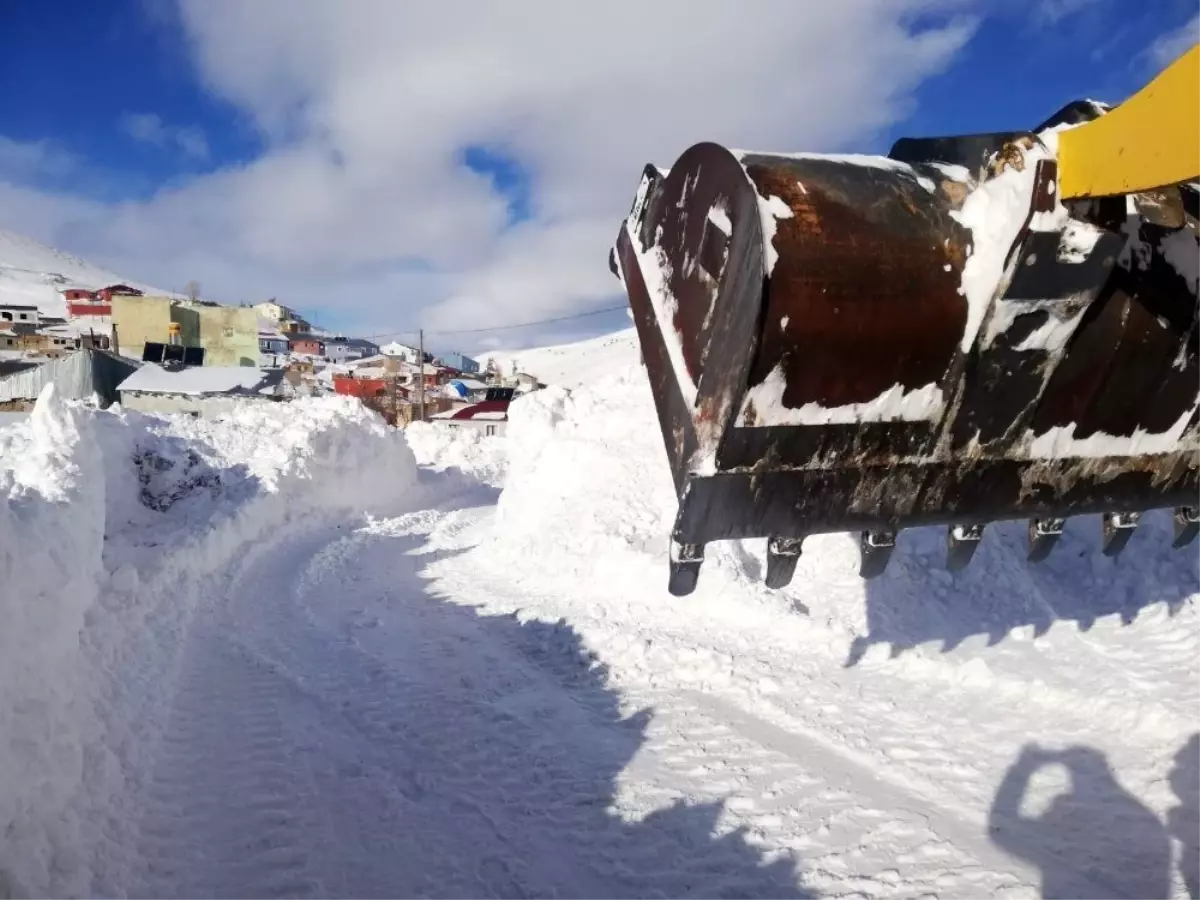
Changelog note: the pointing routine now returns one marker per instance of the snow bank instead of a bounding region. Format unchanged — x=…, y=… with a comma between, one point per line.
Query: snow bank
x=439, y=447
x=588, y=478
x=576, y=364
x=51, y=542
x=589, y=501
x=115, y=528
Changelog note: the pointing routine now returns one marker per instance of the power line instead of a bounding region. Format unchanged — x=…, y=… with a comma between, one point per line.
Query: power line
x=594, y=312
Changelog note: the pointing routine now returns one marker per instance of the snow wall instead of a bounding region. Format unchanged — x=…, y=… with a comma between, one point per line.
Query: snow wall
x=114, y=529
x=588, y=505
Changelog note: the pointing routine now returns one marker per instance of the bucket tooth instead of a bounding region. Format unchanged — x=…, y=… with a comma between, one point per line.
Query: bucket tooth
x=1043, y=535
x=961, y=543
x=1116, y=529
x=1187, y=524
x=876, y=547
x=782, y=555
x=685, y=568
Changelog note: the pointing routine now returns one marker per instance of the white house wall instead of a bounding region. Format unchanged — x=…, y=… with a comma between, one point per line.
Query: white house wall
x=205, y=406
x=498, y=426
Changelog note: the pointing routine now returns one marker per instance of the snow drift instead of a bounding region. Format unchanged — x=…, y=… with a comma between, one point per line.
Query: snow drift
x=926, y=682
x=114, y=528
x=473, y=455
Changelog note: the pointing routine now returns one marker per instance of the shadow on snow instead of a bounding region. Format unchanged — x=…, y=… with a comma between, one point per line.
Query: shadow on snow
x=507, y=748
x=917, y=600
x=1097, y=839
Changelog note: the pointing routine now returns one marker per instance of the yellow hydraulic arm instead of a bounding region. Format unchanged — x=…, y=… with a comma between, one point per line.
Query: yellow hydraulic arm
x=1150, y=141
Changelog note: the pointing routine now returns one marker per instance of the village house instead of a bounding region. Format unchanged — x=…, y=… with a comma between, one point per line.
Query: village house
x=338, y=349
x=432, y=375
x=227, y=334
x=392, y=388
x=361, y=347
x=200, y=390
x=365, y=387
x=307, y=344
x=285, y=318
x=27, y=339
x=401, y=351
x=489, y=416
x=272, y=311
x=272, y=342
x=468, y=389
x=106, y=294
x=86, y=304
x=18, y=313
x=460, y=362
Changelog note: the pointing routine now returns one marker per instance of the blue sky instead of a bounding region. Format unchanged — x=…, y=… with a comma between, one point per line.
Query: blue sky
x=118, y=104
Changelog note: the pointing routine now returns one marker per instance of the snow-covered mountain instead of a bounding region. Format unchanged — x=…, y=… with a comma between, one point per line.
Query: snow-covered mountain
x=32, y=274
x=573, y=365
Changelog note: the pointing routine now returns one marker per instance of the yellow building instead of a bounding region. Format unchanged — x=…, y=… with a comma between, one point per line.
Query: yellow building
x=228, y=334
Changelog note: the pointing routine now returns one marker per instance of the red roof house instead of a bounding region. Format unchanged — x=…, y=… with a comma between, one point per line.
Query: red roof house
x=105, y=294
x=489, y=417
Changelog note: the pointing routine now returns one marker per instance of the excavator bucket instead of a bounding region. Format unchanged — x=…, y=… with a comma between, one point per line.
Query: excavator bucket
x=934, y=337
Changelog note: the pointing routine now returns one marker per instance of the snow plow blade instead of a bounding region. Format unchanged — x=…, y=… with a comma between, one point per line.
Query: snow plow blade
x=844, y=343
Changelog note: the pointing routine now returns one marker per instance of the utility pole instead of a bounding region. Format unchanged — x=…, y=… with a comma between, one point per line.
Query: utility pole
x=421, y=371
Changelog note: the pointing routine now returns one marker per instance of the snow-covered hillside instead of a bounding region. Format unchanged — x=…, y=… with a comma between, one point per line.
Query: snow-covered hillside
x=573, y=365
x=32, y=274
x=294, y=652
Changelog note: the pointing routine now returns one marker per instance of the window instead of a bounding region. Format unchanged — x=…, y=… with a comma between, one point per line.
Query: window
x=23, y=317
x=491, y=429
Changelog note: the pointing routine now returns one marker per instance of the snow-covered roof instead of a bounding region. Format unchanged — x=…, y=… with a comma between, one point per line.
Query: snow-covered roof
x=196, y=380
x=463, y=387
x=491, y=410
x=371, y=360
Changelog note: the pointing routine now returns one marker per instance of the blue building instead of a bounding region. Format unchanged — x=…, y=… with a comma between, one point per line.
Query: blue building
x=461, y=362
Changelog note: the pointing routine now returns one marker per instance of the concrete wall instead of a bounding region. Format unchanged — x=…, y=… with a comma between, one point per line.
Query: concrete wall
x=228, y=334
x=140, y=319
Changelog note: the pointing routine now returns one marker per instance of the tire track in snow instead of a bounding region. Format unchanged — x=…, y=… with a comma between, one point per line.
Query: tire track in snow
x=225, y=813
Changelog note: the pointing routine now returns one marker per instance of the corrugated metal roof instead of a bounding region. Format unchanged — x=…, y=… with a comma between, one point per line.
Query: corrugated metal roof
x=76, y=376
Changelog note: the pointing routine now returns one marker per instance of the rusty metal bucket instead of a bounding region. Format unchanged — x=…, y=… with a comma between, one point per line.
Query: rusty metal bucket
x=816, y=366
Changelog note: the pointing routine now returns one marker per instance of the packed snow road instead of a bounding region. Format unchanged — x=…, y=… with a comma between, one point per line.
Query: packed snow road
x=339, y=728
x=338, y=731
x=271, y=655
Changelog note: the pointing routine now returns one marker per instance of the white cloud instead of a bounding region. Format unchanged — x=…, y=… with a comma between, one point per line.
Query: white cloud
x=1051, y=12
x=364, y=108
x=149, y=128
x=28, y=160
x=1174, y=44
